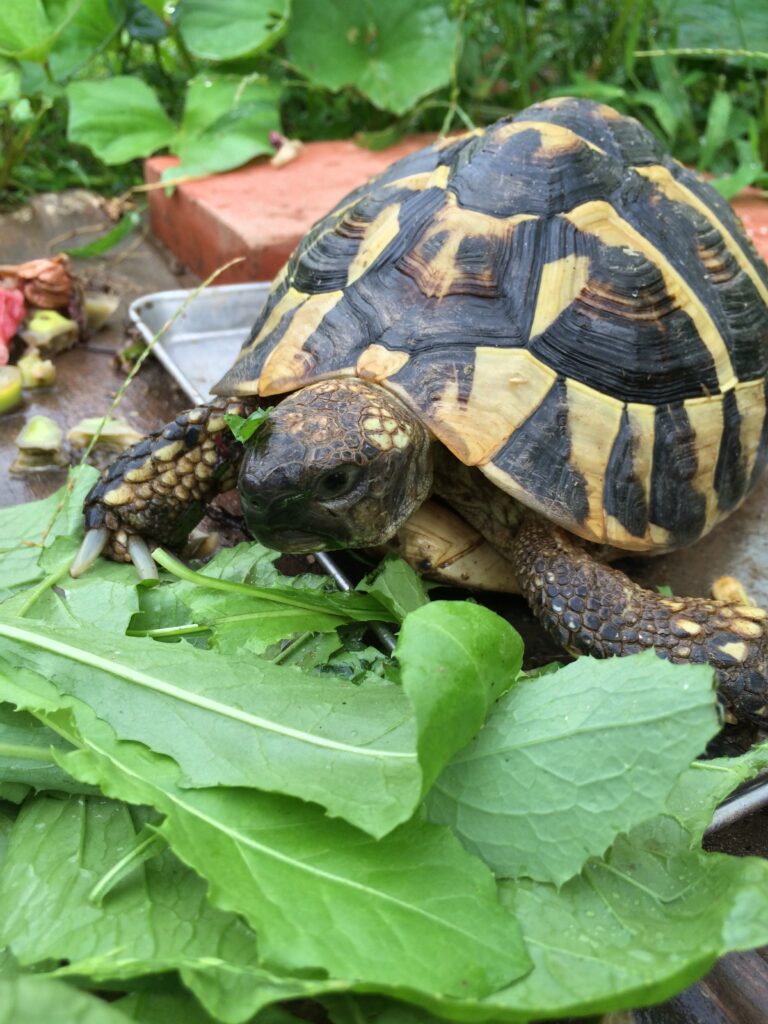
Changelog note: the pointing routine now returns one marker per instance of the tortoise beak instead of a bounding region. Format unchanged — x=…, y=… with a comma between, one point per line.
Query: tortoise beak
x=284, y=524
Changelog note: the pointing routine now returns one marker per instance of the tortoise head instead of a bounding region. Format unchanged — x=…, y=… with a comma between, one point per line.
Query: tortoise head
x=339, y=464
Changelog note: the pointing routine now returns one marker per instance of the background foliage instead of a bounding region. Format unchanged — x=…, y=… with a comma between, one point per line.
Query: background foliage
x=102, y=83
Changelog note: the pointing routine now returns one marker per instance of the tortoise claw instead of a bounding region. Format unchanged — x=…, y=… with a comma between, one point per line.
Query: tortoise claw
x=141, y=557
x=93, y=544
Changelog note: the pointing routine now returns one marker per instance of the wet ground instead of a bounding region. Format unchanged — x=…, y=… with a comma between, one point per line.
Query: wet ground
x=736, y=991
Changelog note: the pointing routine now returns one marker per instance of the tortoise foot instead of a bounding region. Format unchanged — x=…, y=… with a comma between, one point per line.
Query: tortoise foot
x=156, y=491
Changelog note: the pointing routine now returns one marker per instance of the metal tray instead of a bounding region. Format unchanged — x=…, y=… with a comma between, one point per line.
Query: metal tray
x=202, y=341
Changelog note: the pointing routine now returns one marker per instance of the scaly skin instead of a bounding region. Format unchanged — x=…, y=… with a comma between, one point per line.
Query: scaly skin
x=592, y=608
x=160, y=486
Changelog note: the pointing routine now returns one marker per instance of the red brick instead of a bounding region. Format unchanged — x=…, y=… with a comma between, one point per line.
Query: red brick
x=752, y=206
x=260, y=212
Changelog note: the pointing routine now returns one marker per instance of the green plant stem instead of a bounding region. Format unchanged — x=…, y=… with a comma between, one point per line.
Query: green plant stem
x=24, y=753
x=167, y=632
x=706, y=52
x=44, y=585
x=292, y=647
x=185, y=56
x=138, y=854
x=178, y=569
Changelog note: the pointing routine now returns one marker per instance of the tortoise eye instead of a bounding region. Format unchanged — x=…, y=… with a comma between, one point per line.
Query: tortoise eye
x=337, y=482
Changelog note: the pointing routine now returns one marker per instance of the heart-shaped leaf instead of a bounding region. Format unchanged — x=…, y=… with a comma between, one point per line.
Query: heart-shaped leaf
x=394, y=52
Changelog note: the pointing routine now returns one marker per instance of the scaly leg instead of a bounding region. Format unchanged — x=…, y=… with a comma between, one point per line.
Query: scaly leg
x=157, y=490
x=591, y=608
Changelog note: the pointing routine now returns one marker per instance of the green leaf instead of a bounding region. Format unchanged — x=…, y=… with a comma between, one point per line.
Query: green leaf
x=26, y=754
x=14, y=792
x=226, y=29
x=30, y=999
x=397, y=586
x=6, y=823
x=240, y=721
x=634, y=928
x=568, y=761
x=666, y=114
x=144, y=22
x=699, y=790
x=84, y=36
x=412, y=912
x=718, y=124
x=107, y=595
x=25, y=530
x=128, y=223
x=227, y=122
x=461, y=648
x=712, y=24
x=167, y=1003
x=673, y=110
x=157, y=6
x=367, y=753
x=118, y=118
x=216, y=606
x=156, y=919
x=28, y=31
x=10, y=81
x=244, y=427
x=729, y=185
x=394, y=52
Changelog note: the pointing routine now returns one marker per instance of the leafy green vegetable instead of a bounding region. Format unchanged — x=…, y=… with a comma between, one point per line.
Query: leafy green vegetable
x=164, y=1004
x=394, y=53
x=635, y=927
x=568, y=761
x=411, y=912
x=25, y=530
x=397, y=586
x=26, y=754
x=29, y=999
x=154, y=920
x=699, y=790
x=355, y=749
x=244, y=427
x=128, y=223
x=10, y=81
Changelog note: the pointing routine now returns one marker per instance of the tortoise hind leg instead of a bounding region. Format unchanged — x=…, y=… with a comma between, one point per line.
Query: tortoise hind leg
x=591, y=608
x=157, y=490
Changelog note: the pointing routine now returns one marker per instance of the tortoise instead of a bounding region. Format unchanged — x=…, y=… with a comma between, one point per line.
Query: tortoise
x=550, y=324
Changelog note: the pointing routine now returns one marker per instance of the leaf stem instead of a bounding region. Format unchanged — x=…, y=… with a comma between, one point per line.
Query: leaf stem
x=323, y=604
x=44, y=585
x=26, y=753
x=137, y=854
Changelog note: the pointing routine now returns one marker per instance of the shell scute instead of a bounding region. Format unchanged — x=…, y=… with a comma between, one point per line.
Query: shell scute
x=564, y=306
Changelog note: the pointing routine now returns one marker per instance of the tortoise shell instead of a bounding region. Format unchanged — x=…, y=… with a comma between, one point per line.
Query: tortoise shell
x=566, y=308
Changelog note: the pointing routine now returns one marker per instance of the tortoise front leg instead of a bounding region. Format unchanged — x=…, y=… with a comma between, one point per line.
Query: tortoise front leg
x=158, y=489
x=591, y=608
